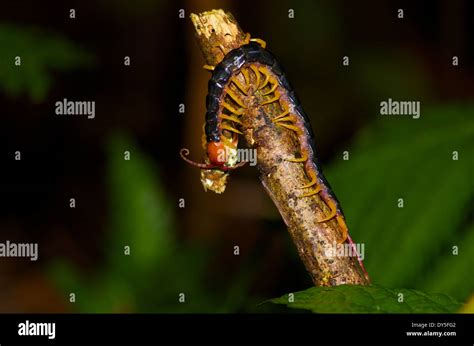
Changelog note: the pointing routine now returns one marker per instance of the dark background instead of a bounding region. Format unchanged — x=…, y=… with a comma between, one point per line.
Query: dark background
x=137, y=110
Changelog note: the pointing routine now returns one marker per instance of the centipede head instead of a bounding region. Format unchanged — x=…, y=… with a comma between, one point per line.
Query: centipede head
x=215, y=172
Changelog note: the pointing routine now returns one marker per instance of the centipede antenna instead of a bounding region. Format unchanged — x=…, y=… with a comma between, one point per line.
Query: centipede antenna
x=185, y=152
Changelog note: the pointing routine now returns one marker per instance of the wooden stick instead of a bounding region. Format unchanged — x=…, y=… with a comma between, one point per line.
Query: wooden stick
x=217, y=33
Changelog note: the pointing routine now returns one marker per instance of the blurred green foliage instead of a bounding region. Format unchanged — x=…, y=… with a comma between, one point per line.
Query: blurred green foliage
x=368, y=299
x=159, y=267
x=412, y=159
x=41, y=53
x=429, y=243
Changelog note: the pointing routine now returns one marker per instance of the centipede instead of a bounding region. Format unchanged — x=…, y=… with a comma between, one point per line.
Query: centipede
x=248, y=73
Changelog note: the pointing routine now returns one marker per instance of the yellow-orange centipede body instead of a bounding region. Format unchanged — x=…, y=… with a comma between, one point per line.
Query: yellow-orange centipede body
x=226, y=104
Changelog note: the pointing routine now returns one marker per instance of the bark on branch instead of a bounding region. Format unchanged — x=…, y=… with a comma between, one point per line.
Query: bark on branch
x=217, y=33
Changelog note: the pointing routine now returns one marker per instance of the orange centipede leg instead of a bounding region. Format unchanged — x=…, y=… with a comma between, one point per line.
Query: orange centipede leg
x=343, y=227
x=310, y=173
x=285, y=113
x=247, y=38
x=289, y=118
x=303, y=158
x=276, y=98
x=227, y=141
x=234, y=97
x=291, y=127
x=208, y=67
x=333, y=208
x=272, y=89
x=261, y=42
x=230, y=128
x=232, y=109
x=239, y=85
x=257, y=74
x=312, y=192
x=267, y=78
x=245, y=73
x=230, y=117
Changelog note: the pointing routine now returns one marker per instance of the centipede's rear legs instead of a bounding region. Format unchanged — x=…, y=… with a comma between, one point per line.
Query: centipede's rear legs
x=261, y=42
x=335, y=213
x=208, y=67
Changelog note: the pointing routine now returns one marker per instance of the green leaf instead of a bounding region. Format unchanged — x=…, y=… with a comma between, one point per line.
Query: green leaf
x=368, y=299
x=40, y=53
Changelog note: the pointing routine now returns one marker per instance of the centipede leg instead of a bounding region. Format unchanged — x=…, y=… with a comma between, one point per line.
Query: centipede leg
x=333, y=208
x=303, y=158
x=343, y=227
x=257, y=75
x=232, y=109
x=209, y=67
x=274, y=99
x=248, y=39
x=261, y=42
x=204, y=137
x=291, y=127
x=228, y=141
x=285, y=113
x=310, y=173
x=230, y=128
x=267, y=78
x=312, y=192
x=234, y=97
x=231, y=118
x=272, y=89
x=289, y=118
x=239, y=85
x=245, y=73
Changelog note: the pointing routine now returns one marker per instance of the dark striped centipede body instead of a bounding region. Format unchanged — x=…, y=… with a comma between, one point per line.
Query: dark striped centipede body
x=225, y=105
